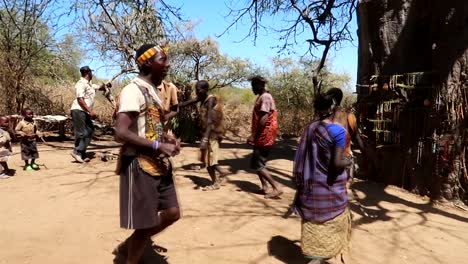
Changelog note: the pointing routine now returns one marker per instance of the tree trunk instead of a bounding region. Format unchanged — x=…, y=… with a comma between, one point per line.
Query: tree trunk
x=416, y=52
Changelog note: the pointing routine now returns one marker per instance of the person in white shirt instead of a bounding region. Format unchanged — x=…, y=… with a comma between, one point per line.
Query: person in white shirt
x=148, y=199
x=82, y=113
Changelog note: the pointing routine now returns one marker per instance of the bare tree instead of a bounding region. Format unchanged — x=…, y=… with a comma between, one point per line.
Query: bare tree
x=117, y=28
x=194, y=59
x=27, y=31
x=287, y=82
x=325, y=21
x=229, y=71
x=191, y=57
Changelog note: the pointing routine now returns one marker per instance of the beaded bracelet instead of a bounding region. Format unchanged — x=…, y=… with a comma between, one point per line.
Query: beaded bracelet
x=155, y=144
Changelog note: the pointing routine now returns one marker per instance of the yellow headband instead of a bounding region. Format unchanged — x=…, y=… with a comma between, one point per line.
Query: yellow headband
x=148, y=54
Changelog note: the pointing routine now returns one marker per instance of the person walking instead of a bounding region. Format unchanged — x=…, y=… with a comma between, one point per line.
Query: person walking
x=264, y=131
x=82, y=113
x=148, y=199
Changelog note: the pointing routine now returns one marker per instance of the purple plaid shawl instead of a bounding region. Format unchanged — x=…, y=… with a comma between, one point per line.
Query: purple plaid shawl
x=321, y=190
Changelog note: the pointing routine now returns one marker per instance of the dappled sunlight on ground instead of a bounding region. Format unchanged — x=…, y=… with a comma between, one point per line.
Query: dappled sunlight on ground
x=69, y=211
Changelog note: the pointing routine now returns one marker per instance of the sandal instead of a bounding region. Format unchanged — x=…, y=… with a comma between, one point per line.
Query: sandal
x=159, y=249
x=4, y=176
x=211, y=187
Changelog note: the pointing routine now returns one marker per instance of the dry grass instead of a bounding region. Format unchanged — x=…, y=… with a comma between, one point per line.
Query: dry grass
x=238, y=103
x=237, y=120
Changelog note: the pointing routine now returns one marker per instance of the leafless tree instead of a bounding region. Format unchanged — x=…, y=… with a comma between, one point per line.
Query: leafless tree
x=325, y=21
x=27, y=31
x=194, y=59
x=116, y=28
x=191, y=57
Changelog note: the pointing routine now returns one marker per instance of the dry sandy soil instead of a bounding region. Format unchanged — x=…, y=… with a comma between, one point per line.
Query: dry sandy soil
x=68, y=213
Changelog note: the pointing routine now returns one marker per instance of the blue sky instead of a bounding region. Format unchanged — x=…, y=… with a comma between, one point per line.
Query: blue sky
x=212, y=22
x=211, y=19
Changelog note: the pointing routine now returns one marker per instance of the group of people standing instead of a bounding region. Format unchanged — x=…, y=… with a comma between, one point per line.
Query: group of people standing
x=148, y=200
x=26, y=131
x=263, y=134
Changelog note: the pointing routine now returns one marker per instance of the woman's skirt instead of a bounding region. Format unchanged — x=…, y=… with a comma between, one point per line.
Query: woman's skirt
x=328, y=239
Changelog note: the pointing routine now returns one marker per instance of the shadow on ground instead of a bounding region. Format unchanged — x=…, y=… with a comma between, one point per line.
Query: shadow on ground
x=151, y=255
x=285, y=250
x=198, y=181
x=246, y=186
x=375, y=194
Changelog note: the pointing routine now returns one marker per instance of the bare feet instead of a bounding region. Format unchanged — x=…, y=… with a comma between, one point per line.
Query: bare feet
x=288, y=213
x=222, y=175
x=221, y=180
x=267, y=190
x=275, y=194
x=121, y=250
x=214, y=186
x=223, y=172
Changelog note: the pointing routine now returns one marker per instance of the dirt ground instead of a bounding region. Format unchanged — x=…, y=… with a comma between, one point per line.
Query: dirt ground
x=68, y=213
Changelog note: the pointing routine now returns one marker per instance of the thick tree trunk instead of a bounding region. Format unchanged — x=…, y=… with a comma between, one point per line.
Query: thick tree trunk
x=407, y=37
